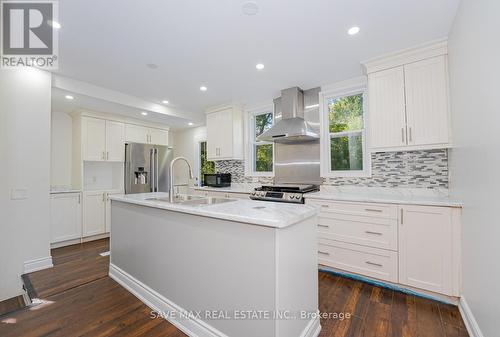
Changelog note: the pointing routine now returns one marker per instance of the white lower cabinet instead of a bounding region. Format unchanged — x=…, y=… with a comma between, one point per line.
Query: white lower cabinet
x=65, y=217
x=97, y=212
x=378, y=263
x=94, y=213
x=427, y=249
x=415, y=246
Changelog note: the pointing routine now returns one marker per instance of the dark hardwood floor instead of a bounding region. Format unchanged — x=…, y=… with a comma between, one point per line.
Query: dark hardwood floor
x=12, y=304
x=81, y=300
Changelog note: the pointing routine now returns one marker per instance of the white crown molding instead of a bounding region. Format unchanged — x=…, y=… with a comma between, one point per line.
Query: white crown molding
x=215, y=108
x=469, y=319
x=38, y=264
x=117, y=118
x=109, y=95
x=405, y=56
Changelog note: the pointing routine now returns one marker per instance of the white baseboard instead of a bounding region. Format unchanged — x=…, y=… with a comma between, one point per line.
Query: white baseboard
x=192, y=326
x=38, y=264
x=469, y=319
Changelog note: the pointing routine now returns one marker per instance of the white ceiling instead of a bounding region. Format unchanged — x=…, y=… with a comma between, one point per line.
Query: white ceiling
x=210, y=42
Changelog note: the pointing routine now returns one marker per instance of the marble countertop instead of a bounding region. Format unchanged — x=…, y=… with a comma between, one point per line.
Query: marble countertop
x=234, y=188
x=390, y=196
x=263, y=213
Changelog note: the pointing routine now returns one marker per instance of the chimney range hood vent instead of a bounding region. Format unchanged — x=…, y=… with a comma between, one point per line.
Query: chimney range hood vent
x=292, y=128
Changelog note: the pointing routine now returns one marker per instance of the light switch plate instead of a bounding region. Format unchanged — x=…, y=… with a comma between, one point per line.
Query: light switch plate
x=18, y=193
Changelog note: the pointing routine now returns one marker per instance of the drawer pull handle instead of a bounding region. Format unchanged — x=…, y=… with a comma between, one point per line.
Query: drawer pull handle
x=323, y=253
x=374, y=264
x=324, y=226
x=374, y=233
x=373, y=210
x=325, y=206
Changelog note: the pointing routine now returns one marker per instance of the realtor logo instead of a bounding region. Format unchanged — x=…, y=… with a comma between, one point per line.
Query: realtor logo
x=29, y=34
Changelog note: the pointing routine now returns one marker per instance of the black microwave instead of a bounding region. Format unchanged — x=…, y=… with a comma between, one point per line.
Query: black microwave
x=217, y=180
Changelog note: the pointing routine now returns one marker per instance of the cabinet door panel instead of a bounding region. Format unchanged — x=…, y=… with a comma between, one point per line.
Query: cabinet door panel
x=225, y=134
x=94, y=213
x=158, y=136
x=65, y=217
x=386, y=116
x=426, y=89
x=115, y=141
x=108, y=211
x=425, y=248
x=136, y=133
x=213, y=131
x=93, y=139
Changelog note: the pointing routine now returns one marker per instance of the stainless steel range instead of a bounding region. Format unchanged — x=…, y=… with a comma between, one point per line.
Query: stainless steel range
x=295, y=134
x=283, y=193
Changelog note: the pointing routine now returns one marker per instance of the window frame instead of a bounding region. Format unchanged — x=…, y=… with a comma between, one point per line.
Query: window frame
x=347, y=88
x=250, y=141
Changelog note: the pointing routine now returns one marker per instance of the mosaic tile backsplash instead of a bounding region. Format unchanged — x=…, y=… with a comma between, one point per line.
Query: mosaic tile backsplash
x=412, y=169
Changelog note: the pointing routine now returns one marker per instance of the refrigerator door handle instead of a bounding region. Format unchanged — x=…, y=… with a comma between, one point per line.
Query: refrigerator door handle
x=151, y=169
x=157, y=175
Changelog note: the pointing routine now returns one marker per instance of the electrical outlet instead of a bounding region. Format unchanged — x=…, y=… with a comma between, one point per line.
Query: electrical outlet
x=18, y=193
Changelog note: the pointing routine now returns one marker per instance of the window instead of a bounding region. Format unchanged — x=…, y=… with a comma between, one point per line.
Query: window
x=344, y=125
x=260, y=154
x=205, y=165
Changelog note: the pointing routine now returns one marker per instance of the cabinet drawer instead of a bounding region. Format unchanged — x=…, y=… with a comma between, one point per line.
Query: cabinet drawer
x=362, y=230
x=366, y=209
x=377, y=263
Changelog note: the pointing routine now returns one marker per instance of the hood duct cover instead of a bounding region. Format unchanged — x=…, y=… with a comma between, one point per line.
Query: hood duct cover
x=292, y=127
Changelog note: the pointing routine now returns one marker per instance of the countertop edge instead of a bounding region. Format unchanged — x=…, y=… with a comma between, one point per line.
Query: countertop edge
x=218, y=215
x=386, y=200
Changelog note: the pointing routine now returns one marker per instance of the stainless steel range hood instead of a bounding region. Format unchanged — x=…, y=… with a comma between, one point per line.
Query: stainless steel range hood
x=292, y=128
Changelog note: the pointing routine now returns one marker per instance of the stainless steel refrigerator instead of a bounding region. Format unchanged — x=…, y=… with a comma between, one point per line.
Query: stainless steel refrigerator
x=147, y=168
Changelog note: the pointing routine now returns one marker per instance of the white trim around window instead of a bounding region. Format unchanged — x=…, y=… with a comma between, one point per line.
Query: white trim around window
x=250, y=139
x=346, y=88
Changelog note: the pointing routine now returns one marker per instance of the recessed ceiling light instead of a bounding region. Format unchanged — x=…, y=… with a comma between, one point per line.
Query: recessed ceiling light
x=250, y=8
x=144, y=113
x=259, y=66
x=190, y=123
x=164, y=101
x=203, y=88
x=152, y=66
x=353, y=30
x=54, y=24
x=69, y=97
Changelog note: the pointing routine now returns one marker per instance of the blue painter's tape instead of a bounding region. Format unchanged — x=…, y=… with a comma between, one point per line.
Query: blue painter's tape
x=381, y=284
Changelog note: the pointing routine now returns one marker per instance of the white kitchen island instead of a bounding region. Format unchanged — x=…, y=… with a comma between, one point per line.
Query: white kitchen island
x=242, y=268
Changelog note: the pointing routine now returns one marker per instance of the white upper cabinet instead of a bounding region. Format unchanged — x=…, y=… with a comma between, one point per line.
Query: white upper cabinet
x=386, y=115
x=158, y=136
x=426, y=89
x=225, y=133
x=115, y=140
x=408, y=100
x=428, y=249
x=93, y=139
x=102, y=140
x=136, y=134
x=141, y=134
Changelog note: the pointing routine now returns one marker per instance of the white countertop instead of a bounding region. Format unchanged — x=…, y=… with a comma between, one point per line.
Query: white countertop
x=234, y=188
x=382, y=195
x=263, y=213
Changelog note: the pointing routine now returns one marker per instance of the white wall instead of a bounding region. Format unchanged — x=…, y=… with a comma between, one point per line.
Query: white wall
x=25, y=157
x=61, y=142
x=474, y=54
x=186, y=145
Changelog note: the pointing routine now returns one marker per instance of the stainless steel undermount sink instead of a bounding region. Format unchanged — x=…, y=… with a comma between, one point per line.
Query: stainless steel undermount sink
x=193, y=200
